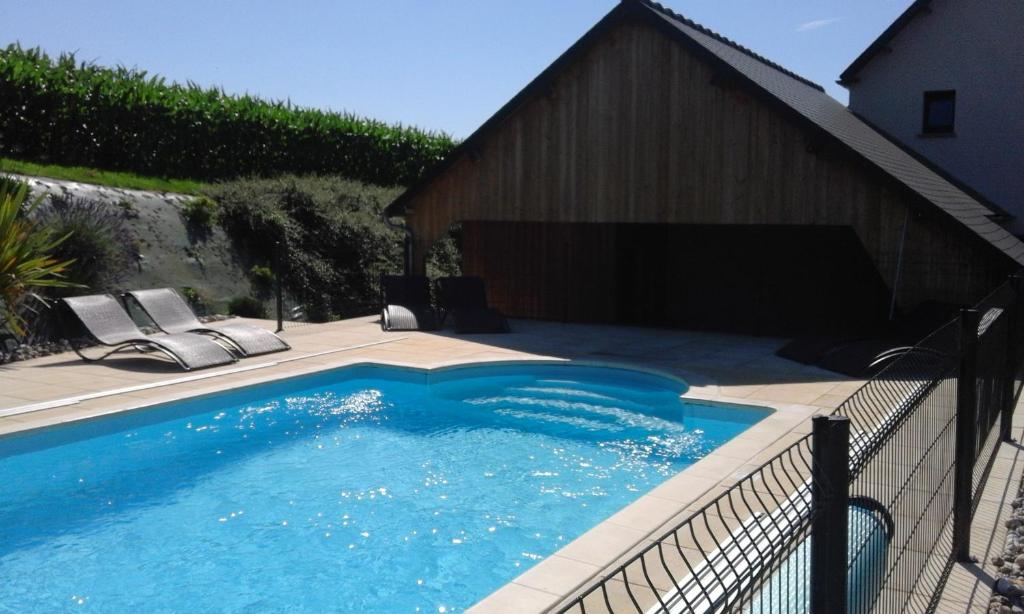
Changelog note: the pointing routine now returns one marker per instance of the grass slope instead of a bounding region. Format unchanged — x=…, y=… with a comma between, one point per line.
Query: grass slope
x=94, y=176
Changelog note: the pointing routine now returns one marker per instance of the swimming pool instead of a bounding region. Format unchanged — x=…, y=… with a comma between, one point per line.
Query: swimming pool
x=360, y=489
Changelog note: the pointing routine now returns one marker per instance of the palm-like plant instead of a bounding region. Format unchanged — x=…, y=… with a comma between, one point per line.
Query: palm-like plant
x=26, y=263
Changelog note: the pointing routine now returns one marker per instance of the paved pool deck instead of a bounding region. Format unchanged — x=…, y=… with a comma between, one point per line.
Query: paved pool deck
x=726, y=368
x=969, y=586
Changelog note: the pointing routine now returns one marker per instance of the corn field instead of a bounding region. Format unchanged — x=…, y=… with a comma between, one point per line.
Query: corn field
x=61, y=111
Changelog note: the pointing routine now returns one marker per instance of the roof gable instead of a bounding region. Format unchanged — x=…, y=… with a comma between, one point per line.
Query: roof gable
x=801, y=99
x=882, y=42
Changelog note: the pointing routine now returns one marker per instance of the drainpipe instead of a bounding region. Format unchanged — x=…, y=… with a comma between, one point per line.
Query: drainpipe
x=407, y=244
x=899, y=266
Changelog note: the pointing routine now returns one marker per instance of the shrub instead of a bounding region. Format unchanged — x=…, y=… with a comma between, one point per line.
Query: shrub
x=333, y=244
x=445, y=257
x=60, y=111
x=199, y=212
x=262, y=280
x=28, y=255
x=262, y=274
x=196, y=299
x=247, y=307
x=99, y=242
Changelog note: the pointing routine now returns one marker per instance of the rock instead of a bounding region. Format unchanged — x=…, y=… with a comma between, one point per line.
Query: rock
x=997, y=561
x=1012, y=523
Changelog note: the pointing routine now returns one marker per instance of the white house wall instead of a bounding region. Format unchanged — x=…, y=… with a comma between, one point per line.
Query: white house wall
x=975, y=47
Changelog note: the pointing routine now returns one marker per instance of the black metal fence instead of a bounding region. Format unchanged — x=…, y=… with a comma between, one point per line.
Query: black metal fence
x=722, y=555
x=291, y=313
x=270, y=299
x=866, y=514
x=904, y=426
x=995, y=376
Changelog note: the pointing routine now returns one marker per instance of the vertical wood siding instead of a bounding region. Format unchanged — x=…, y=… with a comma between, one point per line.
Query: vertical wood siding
x=637, y=130
x=760, y=279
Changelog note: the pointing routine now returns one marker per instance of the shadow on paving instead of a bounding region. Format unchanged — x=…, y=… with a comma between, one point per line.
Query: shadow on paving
x=715, y=358
x=134, y=364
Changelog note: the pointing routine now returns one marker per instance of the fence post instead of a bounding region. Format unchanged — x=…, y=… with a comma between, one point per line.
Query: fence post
x=966, y=434
x=279, y=293
x=407, y=256
x=830, y=499
x=1012, y=356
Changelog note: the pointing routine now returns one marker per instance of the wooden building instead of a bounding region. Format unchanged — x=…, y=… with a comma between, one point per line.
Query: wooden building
x=660, y=174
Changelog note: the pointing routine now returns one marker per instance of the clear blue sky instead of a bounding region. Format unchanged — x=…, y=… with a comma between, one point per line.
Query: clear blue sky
x=438, y=64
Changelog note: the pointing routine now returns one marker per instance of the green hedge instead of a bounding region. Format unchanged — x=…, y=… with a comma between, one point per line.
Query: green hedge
x=334, y=244
x=61, y=111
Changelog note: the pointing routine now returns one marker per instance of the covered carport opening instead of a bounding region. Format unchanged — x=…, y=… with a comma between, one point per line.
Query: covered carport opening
x=782, y=280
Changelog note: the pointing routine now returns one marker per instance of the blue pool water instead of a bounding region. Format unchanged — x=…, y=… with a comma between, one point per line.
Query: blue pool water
x=363, y=489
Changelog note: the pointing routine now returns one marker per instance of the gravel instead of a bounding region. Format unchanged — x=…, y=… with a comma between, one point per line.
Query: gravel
x=1008, y=596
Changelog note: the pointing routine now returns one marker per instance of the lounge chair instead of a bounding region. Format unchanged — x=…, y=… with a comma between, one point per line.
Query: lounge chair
x=172, y=314
x=405, y=303
x=465, y=298
x=107, y=322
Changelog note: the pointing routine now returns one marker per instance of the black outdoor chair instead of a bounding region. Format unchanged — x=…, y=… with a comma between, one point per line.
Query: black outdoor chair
x=108, y=323
x=465, y=298
x=172, y=314
x=405, y=303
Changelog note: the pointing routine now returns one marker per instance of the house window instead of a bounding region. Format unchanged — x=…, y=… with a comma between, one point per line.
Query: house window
x=939, y=112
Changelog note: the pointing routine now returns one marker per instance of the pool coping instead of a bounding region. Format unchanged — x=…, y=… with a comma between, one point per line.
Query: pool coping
x=554, y=580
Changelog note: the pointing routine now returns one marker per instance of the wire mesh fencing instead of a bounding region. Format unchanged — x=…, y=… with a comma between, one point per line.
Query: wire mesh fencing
x=291, y=312
x=994, y=374
x=922, y=436
x=903, y=433
x=721, y=556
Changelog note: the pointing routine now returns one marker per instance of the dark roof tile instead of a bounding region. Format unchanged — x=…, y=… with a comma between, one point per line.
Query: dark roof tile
x=707, y=31
x=826, y=113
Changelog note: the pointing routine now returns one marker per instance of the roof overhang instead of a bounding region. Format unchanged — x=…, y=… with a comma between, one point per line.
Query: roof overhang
x=881, y=44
